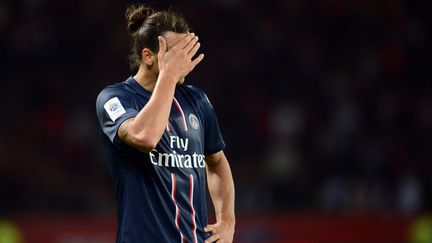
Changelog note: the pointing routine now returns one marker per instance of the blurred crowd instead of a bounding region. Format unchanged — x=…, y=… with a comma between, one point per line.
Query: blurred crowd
x=324, y=105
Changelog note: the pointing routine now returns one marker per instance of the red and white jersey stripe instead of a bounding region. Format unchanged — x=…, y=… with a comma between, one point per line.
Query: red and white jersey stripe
x=182, y=113
x=191, y=193
x=177, y=212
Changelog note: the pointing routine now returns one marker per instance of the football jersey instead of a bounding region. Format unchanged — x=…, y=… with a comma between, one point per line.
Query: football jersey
x=161, y=195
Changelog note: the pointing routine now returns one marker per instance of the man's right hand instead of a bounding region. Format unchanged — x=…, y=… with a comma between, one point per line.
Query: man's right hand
x=177, y=62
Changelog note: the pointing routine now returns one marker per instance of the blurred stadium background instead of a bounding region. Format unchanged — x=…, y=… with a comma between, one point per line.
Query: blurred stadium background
x=326, y=107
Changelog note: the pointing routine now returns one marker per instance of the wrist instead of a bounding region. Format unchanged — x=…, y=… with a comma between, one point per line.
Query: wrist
x=168, y=77
x=230, y=222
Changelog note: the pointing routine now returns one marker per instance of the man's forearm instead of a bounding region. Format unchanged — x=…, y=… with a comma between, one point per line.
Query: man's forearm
x=221, y=188
x=145, y=130
x=151, y=121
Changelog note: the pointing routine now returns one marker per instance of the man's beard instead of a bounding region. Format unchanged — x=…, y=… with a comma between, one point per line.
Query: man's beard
x=181, y=81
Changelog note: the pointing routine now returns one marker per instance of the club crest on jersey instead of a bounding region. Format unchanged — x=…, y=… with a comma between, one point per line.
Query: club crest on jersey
x=193, y=121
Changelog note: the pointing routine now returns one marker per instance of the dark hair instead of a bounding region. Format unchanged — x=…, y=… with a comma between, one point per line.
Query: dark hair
x=146, y=24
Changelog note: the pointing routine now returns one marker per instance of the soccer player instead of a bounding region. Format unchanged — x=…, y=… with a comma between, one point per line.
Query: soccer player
x=163, y=139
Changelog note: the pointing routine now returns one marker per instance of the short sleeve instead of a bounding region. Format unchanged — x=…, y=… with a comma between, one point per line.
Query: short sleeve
x=213, y=140
x=113, y=107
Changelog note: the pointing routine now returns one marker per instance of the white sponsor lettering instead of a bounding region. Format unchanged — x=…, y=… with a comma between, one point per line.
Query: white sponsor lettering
x=177, y=160
x=174, y=159
x=178, y=142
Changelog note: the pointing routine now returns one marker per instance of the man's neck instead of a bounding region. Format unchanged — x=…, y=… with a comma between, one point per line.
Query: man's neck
x=146, y=79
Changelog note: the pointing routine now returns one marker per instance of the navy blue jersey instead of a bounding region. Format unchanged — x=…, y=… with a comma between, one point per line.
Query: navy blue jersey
x=161, y=194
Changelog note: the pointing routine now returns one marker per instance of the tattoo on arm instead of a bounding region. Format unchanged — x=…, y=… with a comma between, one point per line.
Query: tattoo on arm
x=123, y=131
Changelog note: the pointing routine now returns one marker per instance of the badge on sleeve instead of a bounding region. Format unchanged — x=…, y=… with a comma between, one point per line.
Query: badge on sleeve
x=114, y=108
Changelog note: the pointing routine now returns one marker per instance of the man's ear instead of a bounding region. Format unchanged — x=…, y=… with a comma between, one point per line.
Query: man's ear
x=148, y=56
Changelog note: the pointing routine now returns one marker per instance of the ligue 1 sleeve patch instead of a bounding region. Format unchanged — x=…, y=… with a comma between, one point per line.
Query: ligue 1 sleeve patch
x=114, y=108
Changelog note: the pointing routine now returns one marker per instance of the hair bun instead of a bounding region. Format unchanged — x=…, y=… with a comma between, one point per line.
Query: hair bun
x=136, y=15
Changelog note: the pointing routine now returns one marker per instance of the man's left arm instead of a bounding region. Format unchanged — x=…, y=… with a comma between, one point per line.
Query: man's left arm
x=221, y=188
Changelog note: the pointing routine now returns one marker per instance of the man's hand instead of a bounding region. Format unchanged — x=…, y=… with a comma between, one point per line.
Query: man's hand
x=177, y=62
x=222, y=232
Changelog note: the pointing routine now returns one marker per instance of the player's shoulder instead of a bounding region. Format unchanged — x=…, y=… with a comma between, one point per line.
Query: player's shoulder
x=195, y=91
x=199, y=94
x=116, y=89
x=192, y=88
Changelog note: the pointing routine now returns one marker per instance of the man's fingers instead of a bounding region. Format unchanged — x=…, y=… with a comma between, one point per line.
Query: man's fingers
x=196, y=61
x=191, y=44
x=185, y=41
x=194, y=50
x=212, y=238
x=162, y=46
x=210, y=228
